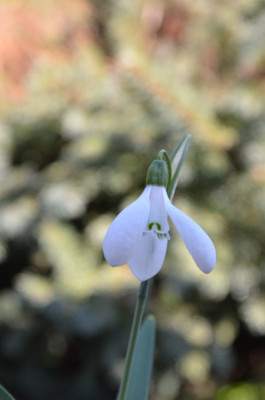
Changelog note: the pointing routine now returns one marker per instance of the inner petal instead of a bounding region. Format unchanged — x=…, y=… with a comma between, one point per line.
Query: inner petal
x=157, y=223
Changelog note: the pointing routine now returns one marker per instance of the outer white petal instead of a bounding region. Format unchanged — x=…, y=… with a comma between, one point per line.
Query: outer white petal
x=196, y=240
x=149, y=257
x=126, y=230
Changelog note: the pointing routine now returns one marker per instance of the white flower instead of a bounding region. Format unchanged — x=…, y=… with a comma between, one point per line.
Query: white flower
x=139, y=235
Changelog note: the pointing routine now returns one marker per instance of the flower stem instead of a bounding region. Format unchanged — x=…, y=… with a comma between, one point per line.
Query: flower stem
x=137, y=318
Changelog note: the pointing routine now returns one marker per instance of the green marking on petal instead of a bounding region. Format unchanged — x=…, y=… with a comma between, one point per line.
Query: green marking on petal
x=156, y=229
x=150, y=226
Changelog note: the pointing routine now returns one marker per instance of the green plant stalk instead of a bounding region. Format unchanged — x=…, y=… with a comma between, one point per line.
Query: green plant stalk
x=143, y=290
x=137, y=319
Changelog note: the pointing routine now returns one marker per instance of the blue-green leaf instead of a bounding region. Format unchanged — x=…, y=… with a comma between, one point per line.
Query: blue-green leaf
x=140, y=376
x=177, y=158
x=179, y=145
x=4, y=395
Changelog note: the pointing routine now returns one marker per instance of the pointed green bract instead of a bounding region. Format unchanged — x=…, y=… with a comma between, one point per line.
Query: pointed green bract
x=177, y=148
x=181, y=151
x=4, y=395
x=140, y=376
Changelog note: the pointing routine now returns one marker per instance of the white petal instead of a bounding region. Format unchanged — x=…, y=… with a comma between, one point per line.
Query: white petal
x=196, y=240
x=125, y=231
x=158, y=213
x=149, y=257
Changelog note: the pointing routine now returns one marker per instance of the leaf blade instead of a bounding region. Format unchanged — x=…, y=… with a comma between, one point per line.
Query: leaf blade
x=4, y=395
x=140, y=376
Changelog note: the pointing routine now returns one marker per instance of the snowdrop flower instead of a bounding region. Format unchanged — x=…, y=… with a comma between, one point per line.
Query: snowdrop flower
x=139, y=234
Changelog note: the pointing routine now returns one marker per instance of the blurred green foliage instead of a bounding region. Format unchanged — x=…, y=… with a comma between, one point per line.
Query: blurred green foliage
x=90, y=93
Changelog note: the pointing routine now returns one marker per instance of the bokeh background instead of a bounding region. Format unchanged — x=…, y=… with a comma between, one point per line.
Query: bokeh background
x=90, y=92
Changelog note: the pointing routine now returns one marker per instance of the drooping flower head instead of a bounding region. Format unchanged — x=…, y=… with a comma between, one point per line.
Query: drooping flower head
x=139, y=235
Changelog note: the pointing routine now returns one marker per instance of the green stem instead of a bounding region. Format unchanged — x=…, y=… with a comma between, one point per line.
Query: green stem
x=137, y=318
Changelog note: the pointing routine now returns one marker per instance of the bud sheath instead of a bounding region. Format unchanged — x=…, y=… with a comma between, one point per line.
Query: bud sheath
x=157, y=174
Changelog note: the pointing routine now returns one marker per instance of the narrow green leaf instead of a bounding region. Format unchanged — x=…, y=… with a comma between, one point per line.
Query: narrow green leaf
x=177, y=158
x=140, y=376
x=4, y=395
x=177, y=148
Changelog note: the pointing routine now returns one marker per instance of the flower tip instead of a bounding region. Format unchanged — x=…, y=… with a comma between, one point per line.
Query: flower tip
x=142, y=275
x=209, y=263
x=207, y=270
